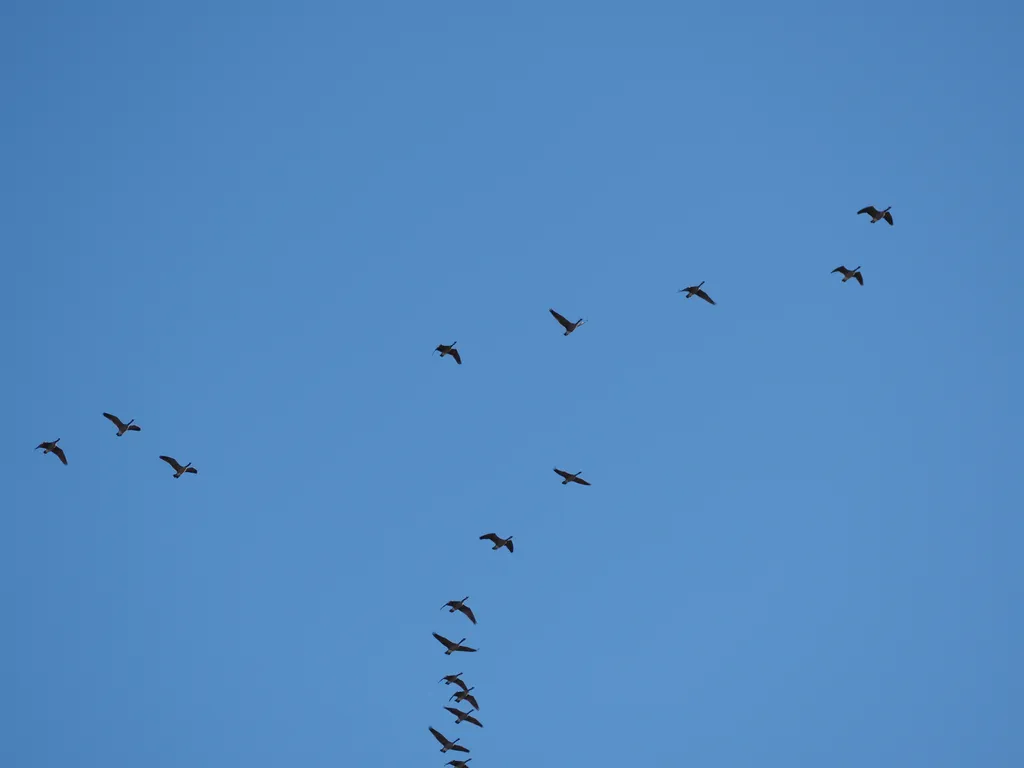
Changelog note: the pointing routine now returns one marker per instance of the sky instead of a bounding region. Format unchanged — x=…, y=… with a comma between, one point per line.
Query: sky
x=247, y=225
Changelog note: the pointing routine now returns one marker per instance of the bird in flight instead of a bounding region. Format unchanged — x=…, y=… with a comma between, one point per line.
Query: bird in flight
x=131, y=426
x=449, y=679
x=55, y=449
x=445, y=743
x=498, y=541
x=569, y=327
x=178, y=469
x=449, y=349
x=460, y=716
x=876, y=215
x=848, y=273
x=453, y=647
x=465, y=696
x=460, y=605
x=695, y=290
x=567, y=478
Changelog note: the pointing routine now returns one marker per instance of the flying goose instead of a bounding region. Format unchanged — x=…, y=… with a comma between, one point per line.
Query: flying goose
x=695, y=290
x=131, y=426
x=571, y=478
x=453, y=647
x=178, y=469
x=449, y=679
x=498, y=541
x=569, y=327
x=465, y=696
x=876, y=215
x=459, y=763
x=55, y=449
x=460, y=605
x=449, y=349
x=445, y=743
x=460, y=716
x=848, y=273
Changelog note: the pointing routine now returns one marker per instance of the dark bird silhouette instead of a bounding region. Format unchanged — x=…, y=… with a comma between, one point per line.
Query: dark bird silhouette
x=460, y=716
x=445, y=743
x=567, y=478
x=55, y=449
x=498, y=541
x=695, y=290
x=465, y=696
x=131, y=426
x=449, y=679
x=460, y=605
x=848, y=273
x=459, y=763
x=178, y=469
x=453, y=647
x=449, y=349
x=876, y=215
x=569, y=327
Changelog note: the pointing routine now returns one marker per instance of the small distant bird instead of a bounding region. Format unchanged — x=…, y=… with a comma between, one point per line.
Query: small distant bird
x=449, y=349
x=55, y=449
x=569, y=327
x=178, y=469
x=848, y=273
x=498, y=541
x=460, y=716
x=695, y=290
x=459, y=763
x=452, y=647
x=449, y=679
x=445, y=743
x=465, y=696
x=571, y=478
x=131, y=426
x=460, y=605
x=876, y=215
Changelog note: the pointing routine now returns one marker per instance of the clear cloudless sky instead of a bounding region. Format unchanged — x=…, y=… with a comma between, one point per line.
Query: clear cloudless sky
x=246, y=226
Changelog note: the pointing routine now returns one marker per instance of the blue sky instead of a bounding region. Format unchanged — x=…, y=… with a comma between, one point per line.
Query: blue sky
x=247, y=226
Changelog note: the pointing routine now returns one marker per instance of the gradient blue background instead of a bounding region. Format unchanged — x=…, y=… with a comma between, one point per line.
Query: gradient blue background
x=246, y=225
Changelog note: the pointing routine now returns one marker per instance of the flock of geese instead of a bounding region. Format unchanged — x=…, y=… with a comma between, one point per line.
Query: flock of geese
x=464, y=694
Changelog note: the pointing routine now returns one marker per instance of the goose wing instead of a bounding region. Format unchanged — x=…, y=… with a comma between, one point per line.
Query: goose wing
x=473, y=720
x=492, y=537
x=172, y=462
x=455, y=353
x=461, y=684
x=192, y=471
x=454, y=711
x=888, y=217
x=117, y=422
x=458, y=748
x=465, y=648
x=870, y=210
x=565, y=475
x=564, y=323
x=438, y=735
x=443, y=640
x=580, y=480
x=469, y=612
x=59, y=453
x=508, y=543
x=858, y=277
x=704, y=296
x=134, y=428
x=844, y=270
x=472, y=700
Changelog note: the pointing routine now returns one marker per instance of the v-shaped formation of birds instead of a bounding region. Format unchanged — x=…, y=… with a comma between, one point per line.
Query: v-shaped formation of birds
x=464, y=695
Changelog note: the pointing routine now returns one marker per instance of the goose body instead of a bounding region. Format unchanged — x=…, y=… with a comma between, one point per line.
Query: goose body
x=452, y=647
x=464, y=716
x=447, y=744
x=56, y=450
x=848, y=273
x=498, y=541
x=695, y=290
x=569, y=327
x=178, y=469
x=567, y=478
x=449, y=349
x=449, y=679
x=460, y=605
x=131, y=426
x=876, y=215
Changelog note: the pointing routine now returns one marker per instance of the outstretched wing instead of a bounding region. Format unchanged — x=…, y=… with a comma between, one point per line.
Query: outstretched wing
x=458, y=748
x=492, y=537
x=509, y=544
x=59, y=453
x=438, y=736
x=564, y=474
x=443, y=640
x=134, y=428
x=461, y=684
x=888, y=217
x=870, y=210
x=565, y=323
x=472, y=700
x=465, y=648
x=705, y=297
x=454, y=711
x=580, y=480
x=172, y=462
x=455, y=353
x=191, y=471
x=117, y=422
x=469, y=613
x=473, y=720
x=859, y=277
x=838, y=269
